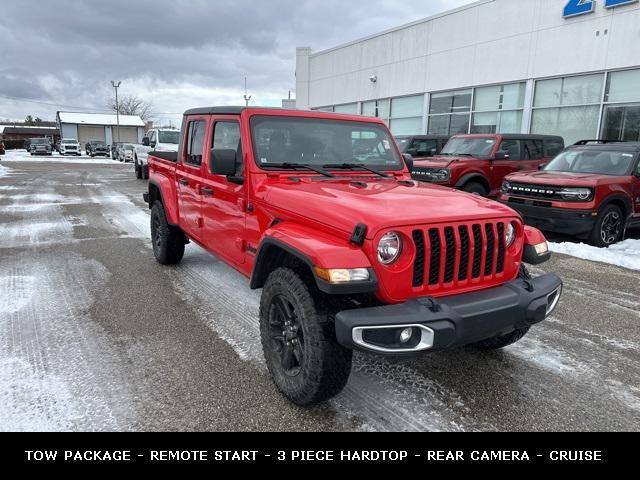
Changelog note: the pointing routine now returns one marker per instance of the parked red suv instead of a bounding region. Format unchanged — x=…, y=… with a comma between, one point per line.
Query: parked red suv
x=2, y=148
x=591, y=191
x=319, y=211
x=479, y=163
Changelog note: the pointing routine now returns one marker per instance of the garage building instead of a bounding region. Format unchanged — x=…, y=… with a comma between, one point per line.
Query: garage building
x=570, y=68
x=92, y=126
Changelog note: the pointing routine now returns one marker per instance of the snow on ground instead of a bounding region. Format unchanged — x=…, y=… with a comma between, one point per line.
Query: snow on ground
x=24, y=156
x=624, y=254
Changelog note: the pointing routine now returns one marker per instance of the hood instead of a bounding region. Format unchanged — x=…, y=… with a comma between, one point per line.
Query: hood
x=564, y=179
x=382, y=203
x=441, y=161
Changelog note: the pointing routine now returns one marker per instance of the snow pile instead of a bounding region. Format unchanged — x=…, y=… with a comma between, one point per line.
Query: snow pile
x=624, y=254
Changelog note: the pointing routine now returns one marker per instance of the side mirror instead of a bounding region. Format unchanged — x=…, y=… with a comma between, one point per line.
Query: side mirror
x=408, y=160
x=145, y=141
x=542, y=165
x=223, y=162
x=433, y=152
x=152, y=144
x=501, y=155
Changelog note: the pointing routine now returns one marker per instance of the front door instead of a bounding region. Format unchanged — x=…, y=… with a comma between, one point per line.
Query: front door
x=224, y=201
x=189, y=177
x=636, y=195
x=503, y=167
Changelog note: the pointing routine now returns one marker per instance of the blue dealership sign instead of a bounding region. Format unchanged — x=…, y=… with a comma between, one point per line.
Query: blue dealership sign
x=581, y=7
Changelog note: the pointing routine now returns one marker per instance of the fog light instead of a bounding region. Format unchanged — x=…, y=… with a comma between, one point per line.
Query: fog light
x=406, y=334
x=541, y=248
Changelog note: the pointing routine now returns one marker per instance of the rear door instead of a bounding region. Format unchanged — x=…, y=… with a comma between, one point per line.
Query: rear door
x=223, y=201
x=189, y=176
x=532, y=154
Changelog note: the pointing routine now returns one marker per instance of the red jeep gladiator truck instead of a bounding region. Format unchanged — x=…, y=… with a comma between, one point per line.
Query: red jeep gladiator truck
x=478, y=163
x=591, y=191
x=319, y=211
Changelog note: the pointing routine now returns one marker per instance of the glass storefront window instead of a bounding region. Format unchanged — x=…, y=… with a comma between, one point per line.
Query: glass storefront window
x=623, y=86
x=621, y=122
x=571, y=123
x=448, y=124
x=376, y=108
x=406, y=107
x=406, y=126
x=579, y=90
x=351, y=108
x=499, y=97
x=497, y=122
x=450, y=102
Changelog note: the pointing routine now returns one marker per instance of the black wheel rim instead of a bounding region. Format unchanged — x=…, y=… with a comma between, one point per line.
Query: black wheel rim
x=286, y=335
x=611, y=226
x=155, y=232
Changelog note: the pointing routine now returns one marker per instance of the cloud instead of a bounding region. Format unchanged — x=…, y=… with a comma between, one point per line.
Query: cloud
x=178, y=53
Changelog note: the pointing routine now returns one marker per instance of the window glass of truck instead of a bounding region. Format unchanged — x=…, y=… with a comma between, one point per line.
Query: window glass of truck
x=603, y=162
x=533, y=149
x=471, y=147
x=195, y=142
x=511, y=148
x=169, y=136
x=226, y=136
x=319, y=142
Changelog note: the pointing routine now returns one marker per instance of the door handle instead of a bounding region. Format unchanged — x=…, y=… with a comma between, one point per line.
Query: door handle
x=207, y=191
x=184, y=182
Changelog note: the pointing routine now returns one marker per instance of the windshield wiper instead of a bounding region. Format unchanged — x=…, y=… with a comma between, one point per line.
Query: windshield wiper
x=299, y=166
x=352, y=166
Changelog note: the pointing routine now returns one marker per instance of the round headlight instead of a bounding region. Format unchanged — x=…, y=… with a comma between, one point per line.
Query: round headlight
x=510, y=235
x=389, y=248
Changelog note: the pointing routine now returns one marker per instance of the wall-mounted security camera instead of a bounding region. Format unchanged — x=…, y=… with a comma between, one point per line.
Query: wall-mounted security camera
x=373, y=78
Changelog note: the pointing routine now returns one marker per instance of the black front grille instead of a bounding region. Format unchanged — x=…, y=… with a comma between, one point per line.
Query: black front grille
x=449, y=254
x=418, y=269
x=434, y=264
x=534, y=191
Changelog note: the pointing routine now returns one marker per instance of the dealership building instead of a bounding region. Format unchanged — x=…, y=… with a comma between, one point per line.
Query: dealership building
x=570, y=68
x=108, y=128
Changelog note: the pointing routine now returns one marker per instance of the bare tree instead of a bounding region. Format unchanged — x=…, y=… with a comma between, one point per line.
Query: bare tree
x=132, y=105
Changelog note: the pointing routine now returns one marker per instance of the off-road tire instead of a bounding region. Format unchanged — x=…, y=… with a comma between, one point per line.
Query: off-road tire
x=501, y=341
x=168, y=241
x=596, y=238
x=325, y=366
x=475, y=187
x=145, y=172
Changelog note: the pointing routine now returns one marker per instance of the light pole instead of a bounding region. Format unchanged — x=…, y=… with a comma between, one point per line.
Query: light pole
x=116, y=85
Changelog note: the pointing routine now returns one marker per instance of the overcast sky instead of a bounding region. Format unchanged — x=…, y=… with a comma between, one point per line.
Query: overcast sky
x=175, y=53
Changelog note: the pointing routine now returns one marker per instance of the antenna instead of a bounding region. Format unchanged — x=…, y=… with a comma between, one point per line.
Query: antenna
x=246, y=96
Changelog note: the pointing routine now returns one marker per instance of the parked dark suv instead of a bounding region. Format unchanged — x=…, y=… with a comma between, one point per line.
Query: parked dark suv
x=479, y=163
x=97, y=147
x=422, y=146
x=591, y=191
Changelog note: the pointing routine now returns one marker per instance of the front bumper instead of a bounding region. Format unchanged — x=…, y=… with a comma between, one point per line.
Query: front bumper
x=451, y=322
x=558, y=220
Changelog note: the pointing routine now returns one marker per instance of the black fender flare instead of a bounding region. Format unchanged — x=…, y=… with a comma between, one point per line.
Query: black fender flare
x=620, y=198
x=473, y=176
x=261, y=270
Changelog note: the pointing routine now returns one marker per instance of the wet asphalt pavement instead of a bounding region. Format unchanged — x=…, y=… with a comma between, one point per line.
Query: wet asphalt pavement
x=95, y=335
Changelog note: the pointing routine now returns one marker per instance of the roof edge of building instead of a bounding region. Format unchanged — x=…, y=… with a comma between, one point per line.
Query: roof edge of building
x=401, y=27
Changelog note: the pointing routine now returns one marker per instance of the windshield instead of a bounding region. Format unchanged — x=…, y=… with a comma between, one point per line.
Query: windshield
x=319, y=142
x=39, y=141
x=168, y=136
x=66, y=140
x=605, y=162
x=473, y=147
x=97, y=143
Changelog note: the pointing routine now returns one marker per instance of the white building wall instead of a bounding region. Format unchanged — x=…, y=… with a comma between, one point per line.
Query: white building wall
x=487, y=42
x=68, y=130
